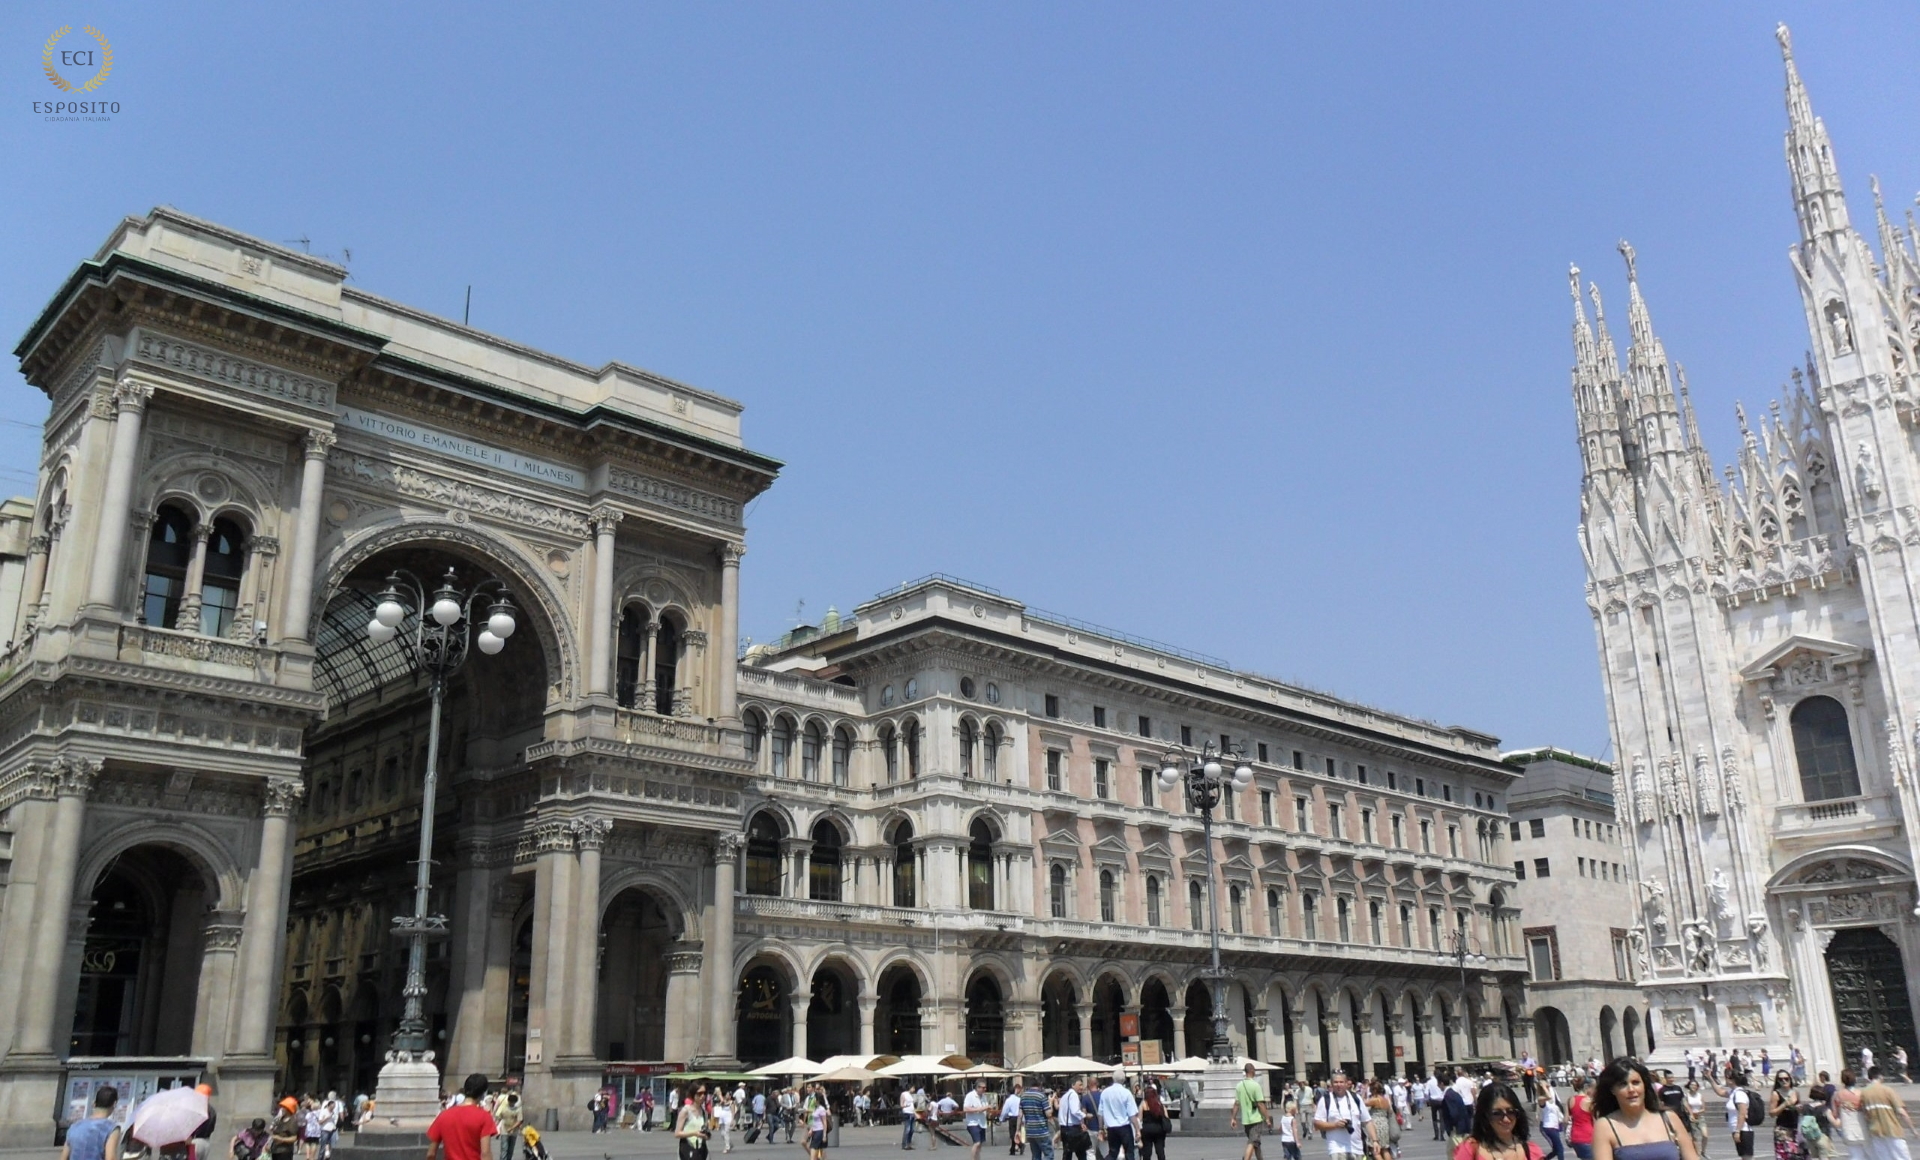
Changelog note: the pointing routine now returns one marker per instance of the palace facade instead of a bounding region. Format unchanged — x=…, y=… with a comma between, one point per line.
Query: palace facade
x=931, y=826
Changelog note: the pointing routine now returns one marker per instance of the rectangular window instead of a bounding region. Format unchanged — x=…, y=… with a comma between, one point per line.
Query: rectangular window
x=1426, y=836
x=1299, y=760
x=1346, y=921
x=1576, y=826
x=1513, y=831
x=1263, y=752
x=1309, y=917
x=1433, y=928
x=1053, y=769
x=1446, y=792
x=1540, y=954
x=1102, y=787
x=1541, y=869
x=1053, y=706
x=1621, y=963
x=1333, y=821
x=1266, y=807
x=1301, y=821
x=1186, y=735
x=1366, y=826
x=1360, y=774
x=1537, y=827
x=1520, y=870
x=1146, y=726
x=1453, y=841
x=1099, y=717
x=1149, y=791
x=1390, y=780
x=1373, y=923
x=1333, y=768
x=1226, y=743
x=1420, y=786
x=1399, y=834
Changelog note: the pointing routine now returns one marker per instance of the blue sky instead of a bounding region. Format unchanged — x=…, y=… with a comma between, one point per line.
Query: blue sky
x=1242, y=326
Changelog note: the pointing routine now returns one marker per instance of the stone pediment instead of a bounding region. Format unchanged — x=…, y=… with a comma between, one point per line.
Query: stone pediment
x=1155, y=854
x=1804, y=660
x=1062, y=844
x=1110, y=849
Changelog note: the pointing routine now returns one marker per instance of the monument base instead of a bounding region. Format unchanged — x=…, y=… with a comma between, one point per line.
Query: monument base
x=1217, y=1114
x=406, y=1095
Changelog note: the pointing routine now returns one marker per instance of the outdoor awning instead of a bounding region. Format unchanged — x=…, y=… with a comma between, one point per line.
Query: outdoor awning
x=792, y=1065
x=1067, y=1065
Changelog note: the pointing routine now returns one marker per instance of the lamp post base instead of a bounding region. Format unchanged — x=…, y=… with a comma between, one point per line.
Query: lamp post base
x=1217, y=1114
x=406, y=1095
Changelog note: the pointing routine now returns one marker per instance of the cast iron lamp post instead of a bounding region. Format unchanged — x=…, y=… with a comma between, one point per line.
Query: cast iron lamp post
x=437, y=637
x=1206, y=776
x=1464, y=952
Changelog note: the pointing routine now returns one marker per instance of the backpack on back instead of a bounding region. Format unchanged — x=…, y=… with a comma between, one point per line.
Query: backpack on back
x=1756, y=1110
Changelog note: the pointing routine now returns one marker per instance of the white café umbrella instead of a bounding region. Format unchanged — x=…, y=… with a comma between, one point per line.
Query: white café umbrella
x=792, y=1065
x=918, y=1065
x=1067, y=1065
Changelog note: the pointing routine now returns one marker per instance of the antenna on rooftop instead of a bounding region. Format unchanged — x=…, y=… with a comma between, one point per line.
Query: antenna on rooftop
x=799, y=610
x=303, y=241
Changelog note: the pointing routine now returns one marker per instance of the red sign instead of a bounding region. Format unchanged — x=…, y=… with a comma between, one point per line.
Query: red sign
x=1129, y=1026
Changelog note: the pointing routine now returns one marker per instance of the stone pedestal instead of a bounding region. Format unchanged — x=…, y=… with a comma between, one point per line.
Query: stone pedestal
x=406, y=1096
x=29, y=1093
x=1216, y=1115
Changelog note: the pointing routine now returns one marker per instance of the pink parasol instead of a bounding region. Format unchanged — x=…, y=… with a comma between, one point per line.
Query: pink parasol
x=168, y=1117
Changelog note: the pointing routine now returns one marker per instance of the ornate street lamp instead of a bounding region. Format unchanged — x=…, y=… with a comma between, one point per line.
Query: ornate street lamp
x=437, y=632
x=1465, y=950
x=1206, y=776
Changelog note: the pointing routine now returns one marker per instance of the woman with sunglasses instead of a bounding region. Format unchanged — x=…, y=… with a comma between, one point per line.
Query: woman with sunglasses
x=1629, y=1121
x=1499, y=1127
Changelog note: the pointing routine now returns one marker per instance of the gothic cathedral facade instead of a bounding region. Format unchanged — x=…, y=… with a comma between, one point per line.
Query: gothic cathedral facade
x=1759, y=653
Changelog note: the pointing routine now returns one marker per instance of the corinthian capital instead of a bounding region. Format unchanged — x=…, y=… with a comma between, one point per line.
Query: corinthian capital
x=281, y=795
x=319, y=443
x=77, y=775
x=726, y=847
x=605, y=519
x=591, y=833
x=730, y=554
x=132, y=396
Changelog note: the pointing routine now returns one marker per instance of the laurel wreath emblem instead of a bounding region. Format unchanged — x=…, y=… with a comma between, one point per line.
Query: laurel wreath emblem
x=60, y=82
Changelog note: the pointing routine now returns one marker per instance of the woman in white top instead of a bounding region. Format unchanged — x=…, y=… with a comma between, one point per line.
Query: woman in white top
x=1289, y=1138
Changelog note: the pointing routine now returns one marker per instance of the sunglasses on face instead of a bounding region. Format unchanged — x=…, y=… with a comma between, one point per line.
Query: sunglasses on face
x=1501, y=1113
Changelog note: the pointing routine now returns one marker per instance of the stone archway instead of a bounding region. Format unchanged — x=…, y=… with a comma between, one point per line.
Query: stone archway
x=1059, y=1016
x=897, y=1015
x=1199, y=1019
x=139, y=981
x=986, y=1020
x=1553, y=1036
x=637, y=933
x=1109, y=1001
x=765, y=1014
x=833, y=1012
x=1156, y=1017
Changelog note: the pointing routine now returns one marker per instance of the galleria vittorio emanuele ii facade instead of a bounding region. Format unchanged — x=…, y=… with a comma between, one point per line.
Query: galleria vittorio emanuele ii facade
x=931, y=826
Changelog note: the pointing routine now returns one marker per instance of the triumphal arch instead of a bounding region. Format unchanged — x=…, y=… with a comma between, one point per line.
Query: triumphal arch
x=209, y=774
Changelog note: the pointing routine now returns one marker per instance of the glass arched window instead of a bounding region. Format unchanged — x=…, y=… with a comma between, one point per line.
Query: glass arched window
x=980, y=865
x=220, y=581
x=1109, y=896
x=910, y=741
x=890, y=745
x=782, y=745
x=1196, y=905
x=666, y=666
x=1345, y=911
x=968, y=735
x=842, y=755
x=823, y=863
x=1153, y=901
x=812, y=740
x=990, y=752
x=903, y=855
x=1057, y=890
x=626, y=668
x=1236, y=907
x=1824, y=746
x=756, y=729
x=1310, y=915
x=1275, y=925
x=763, y=856
x=169, y=550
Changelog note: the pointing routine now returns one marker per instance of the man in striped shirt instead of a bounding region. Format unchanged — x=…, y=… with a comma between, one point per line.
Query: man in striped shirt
x=1036, y=1106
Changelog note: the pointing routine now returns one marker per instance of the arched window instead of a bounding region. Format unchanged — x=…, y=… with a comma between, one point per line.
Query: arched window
x=169, y=550
x=763, y=856
x=980, y=865
x=842, y=755
x=782, y=744
x=1153, y=901
x=666, y=666
x=1824, y=745
x=823, y=863
x=1309, y=915
x=1235, y=910
x=903, y=854
x=990, y=746
x=910, y=739
x=968, y=734
x=626, y=667
x=812, y=740
x=756, y=733
x=220, y=580
x=1057, y=890
x=1196, y=905
x=1275, y=926
x=1374, y=927
x=890, y=745
x=1109, y=896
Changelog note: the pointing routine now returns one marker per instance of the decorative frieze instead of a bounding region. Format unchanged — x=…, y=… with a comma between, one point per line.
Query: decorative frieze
x=457, y=494
x=678, y=497
x=231, y=371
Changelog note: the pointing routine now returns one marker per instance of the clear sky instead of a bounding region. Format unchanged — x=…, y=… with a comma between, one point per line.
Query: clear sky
x=1242, y=326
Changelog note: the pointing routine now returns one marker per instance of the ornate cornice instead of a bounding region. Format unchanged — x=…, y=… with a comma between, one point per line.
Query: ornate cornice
x=230, y=371
x=457, y=494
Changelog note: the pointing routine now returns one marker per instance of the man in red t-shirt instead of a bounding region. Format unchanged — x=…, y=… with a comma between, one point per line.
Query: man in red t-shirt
x=461, y=1127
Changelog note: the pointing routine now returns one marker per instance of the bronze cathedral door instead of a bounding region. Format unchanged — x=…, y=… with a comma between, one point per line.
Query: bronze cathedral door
x=1870, y=994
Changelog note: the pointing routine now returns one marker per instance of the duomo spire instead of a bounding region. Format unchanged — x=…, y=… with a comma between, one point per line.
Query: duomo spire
x=1817, y=195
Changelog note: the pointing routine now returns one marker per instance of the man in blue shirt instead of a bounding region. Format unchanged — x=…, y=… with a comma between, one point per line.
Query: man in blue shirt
x=1034, y=1107
x=1119, y=1116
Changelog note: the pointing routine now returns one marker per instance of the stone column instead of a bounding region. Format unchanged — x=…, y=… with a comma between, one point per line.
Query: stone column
x=110, y=540
x=797, y=1005
x=73, y=780
x=600, y=619
x=213, y=1003
x=35, y=583
x=1084, y=1013
x=683, y=1003
x=263, y=929
x=590, y=836
x=306, y=536
x=643, y=683
x=254, y=583
x=867, y=1005
x=728, y=702
x=722, y=987
x=188, y=618
x=467, y=968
